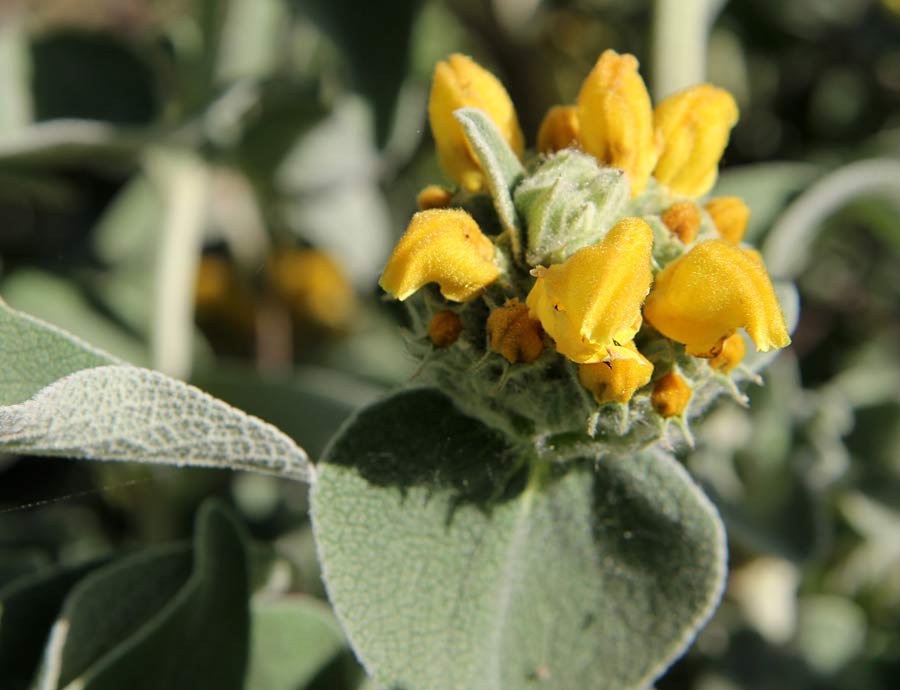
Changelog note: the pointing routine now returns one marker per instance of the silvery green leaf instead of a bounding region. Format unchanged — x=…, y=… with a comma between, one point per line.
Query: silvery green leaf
x=87, y=405
x=449, y=568
x=500, y=165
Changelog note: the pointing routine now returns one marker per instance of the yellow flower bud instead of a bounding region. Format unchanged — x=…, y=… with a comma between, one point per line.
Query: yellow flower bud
x=314, y=287
x=444, y=328
x=458, y=83
x=616, y=118
x=683, y=219
x=591, y=303
x=710, y=292
x=730, y=215
x=730, y=354
x=433, y=196
x=444, y=246
x=671, y=395
x=693, y=126
x=514, y=334
x=559, y=130
x=617, y=379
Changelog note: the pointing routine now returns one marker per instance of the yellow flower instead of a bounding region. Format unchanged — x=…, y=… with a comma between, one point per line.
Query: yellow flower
x=730, y=215
x=514, y=334
x=616, y=118
x=559, y=130
x=591, y=303
x=693, y=126
x=710, y=292
x=444, y=246
x=458, y=83
x=618, y=379
x=671, y=395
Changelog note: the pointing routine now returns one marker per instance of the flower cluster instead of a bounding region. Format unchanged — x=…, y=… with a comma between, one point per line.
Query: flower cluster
x=611, y=275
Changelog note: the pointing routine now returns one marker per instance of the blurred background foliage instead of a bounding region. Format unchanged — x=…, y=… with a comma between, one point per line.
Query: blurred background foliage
x=211, y=187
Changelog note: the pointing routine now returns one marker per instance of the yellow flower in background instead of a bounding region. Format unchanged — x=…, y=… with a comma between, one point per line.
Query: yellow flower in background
x=618, y=379
x=616, y=118
x=730, y=215
x=693, y=126
x=559, y=129
x=591, y=303
x=443, y=246
x=707, y=294
x=314, y=286
x=460, y=82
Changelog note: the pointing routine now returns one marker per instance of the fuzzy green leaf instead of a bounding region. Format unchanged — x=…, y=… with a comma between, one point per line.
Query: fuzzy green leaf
x=449, y=569
x=106, y=411
x=501, y=167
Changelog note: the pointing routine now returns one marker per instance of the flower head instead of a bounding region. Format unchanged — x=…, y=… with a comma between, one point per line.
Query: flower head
x=591, y=303
x=616, y=118
x=707, y=294
x=444, y=246
x=458, y=83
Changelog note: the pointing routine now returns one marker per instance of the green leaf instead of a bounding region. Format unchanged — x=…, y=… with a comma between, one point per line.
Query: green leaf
x=293, y=640
x=200, y=638
x=501, y=167
x=28, y=607
x=109, y=606
x=449, y=570
x=120, y=412
x=34, y=354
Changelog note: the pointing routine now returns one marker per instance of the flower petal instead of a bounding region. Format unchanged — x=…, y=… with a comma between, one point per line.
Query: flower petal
x=444, y=246
x=616, y=118
x=710, y=292
x=592, y=301
x=458, y=83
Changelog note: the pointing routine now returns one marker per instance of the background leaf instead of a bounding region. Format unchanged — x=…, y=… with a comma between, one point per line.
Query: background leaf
x=293, y=640
x=448, y=570
x=122, y=412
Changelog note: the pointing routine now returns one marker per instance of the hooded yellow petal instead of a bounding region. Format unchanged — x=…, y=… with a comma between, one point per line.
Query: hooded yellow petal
x=693, y=126
x=616, y=118
x=592, y=302
x=710, y=292
x=443, y=246
x=559, y=130
x=618, y=379
x=458, y=83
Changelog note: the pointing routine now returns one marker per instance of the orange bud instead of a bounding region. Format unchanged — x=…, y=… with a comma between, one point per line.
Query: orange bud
x=514, y=334
x=617, y=379
x=683, y=219
x=671, y=395
x=444, y=328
